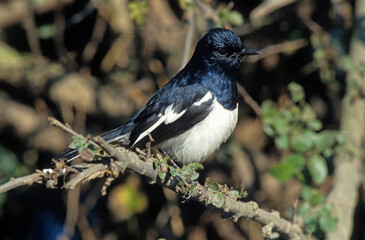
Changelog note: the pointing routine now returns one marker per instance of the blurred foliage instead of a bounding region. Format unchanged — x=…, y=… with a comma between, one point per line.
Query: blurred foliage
x=315, y=213
x=297, y=131
x=10, y=166
x=138, y=9
x=127, y=200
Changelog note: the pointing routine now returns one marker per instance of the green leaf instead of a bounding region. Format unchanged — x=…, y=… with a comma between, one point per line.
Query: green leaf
x=218, y=199
x=303, y=142
x=243, y=192
x=211, y=184
x=194, y=176
x=269, y=130
x=46, y=31
x=306, y=193
x=317, y=199
x=282, y=142
x=235, y=193
x=77, y=142
x=303, y=209
x=281, y=126
x=318, y=169
x=314, y=125
x=296, y=160
x=326, y=210
x=326, y=140
x=296, y=92
x=196, y=166
x=327, y=224
x=269, y=110
x=283, y=171
x=234, y=18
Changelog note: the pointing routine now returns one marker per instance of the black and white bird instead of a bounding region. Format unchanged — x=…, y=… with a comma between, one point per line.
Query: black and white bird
x=196, y=111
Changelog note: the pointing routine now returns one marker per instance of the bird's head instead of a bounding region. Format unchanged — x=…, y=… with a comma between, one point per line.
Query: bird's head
x=222, y=48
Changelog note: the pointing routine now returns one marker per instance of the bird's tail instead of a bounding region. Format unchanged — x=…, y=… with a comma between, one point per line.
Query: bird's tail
x=117, y=135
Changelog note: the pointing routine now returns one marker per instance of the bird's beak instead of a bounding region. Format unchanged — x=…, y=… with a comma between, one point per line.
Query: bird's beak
x=249, y=51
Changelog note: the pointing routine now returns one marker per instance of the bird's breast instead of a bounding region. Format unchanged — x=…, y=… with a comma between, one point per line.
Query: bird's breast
x=204, y=138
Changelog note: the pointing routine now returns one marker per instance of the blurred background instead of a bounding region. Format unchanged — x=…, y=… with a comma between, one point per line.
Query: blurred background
x=93, y=64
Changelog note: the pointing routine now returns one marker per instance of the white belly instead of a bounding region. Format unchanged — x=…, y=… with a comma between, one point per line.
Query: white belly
x=196, y=144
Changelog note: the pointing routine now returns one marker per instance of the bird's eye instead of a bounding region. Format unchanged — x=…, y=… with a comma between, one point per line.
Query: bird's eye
x=221, y=52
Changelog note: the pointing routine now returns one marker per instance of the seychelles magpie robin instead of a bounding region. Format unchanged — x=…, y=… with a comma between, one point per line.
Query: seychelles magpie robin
x=196, y=111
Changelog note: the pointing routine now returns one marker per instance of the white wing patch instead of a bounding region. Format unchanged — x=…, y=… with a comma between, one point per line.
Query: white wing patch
x=153, y=127
x=206, y=98
x=169, y=116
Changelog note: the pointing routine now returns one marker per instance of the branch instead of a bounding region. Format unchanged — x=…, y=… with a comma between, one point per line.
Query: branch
x=119, y=159
x=36, y=177
x=249, y=100
x=279, y=48
x=349, y=168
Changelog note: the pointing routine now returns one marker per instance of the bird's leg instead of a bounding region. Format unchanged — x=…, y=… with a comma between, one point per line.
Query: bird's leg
x=148, y=146
x=170, y=159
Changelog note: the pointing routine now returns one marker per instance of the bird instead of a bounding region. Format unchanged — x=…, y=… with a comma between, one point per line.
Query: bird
x=196, y=111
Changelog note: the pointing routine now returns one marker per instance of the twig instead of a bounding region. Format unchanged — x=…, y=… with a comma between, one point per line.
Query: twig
x=279, y=48
x=97, y=36
x=56, y=123
x=31, y=30
x=188, y=38
x=21, y=181
x=249, y=100
x=66, y=128
x=267, y=7
x=72, y=212
x=86, y=174
x=207, y=10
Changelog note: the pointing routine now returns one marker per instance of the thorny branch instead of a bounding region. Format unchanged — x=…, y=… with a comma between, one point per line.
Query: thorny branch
x=119, y=159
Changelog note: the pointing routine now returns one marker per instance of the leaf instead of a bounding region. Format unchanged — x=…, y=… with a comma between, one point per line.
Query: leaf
x=77, y=142
x=282, y=142
x=46, y=31
x=314, y=124
x=211, y=184
x=235, y=193
x=326, y=140
x=303, y=142
x=218, y=199
x=269, y=130
x=243, y=192
x=234, y=18
x=194, y=176
x=326, y=210
x=281, y=126
x=296, y=160
x=318, y=169
x=317, y=199
x=283, y=171
x=303, y=209
x=296, y=92
x=306, y=193
x=327, y=224
x=196, y=166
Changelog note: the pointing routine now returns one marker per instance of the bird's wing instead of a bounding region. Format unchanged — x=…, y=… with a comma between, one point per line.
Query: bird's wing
x=168, y=115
